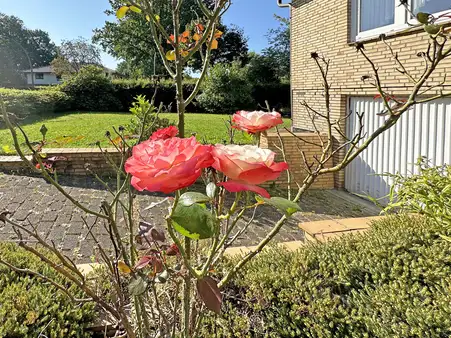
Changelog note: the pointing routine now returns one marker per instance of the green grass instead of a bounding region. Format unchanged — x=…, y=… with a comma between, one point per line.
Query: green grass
x=83, y=130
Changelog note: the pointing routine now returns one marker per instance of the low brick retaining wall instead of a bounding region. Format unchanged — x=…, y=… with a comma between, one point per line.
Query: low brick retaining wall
x=78, y=158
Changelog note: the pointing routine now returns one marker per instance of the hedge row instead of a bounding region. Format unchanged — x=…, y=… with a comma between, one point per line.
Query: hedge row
x=32, y=307
x=25, y=102
x=394, y=281
x=118, y=96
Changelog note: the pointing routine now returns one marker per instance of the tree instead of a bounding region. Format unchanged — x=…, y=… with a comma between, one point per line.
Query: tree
x=279, y=47
x=262, y=69
x=22, y=48
x=75, y=54
x=124, y=39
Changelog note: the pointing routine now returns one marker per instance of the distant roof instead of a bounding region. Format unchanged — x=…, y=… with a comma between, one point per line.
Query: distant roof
x=45, y=69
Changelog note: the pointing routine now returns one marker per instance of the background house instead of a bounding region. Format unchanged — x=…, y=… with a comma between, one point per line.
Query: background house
x=45, y=76
x=42, y=76
x=332, y=28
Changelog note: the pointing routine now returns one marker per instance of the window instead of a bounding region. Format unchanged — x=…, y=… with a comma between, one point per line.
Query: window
x=430, y=6
x=39, y=76
x=374, y=17
x=376, y=13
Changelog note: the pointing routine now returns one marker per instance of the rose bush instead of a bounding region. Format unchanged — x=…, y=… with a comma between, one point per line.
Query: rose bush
x=167, y=165
x=255, y=121
x=246, y=166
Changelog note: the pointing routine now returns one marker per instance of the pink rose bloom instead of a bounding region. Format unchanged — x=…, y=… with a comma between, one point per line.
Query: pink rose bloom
x=165, y=133
x=167, y=165
x=255, y=121
x=246, y=166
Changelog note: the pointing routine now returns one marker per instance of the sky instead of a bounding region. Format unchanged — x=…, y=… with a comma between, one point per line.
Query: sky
x=69, y=19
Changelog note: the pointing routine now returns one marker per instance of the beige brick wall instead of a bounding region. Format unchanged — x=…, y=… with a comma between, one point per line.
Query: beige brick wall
x=78, y=158
x=293, y=148
x=324, y=26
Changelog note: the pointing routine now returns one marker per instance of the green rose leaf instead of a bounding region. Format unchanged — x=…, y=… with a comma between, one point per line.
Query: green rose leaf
x=162, y=277
x=423, y=17
x=284, y=205
x=193, y=221
x=211, y=190
x=431, y=29
x=137, y=286
x=190, y=198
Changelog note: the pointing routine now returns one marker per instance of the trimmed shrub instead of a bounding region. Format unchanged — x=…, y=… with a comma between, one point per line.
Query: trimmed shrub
x=393, y=281
x=226, y=90
x=31, y=307
x=91, y=90
x=28, y=102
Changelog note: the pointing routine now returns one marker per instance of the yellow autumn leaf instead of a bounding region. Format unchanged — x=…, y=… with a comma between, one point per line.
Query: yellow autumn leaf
x=196, y=37
x=123, y=268
x=184, y=53
x=170, y=55
x=157, y=17
x=214, y=44
x=135, y=9
x=122, y=11
x=218, y=34
x=148, y=18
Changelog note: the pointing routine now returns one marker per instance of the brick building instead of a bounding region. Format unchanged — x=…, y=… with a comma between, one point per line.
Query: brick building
x=332, y=28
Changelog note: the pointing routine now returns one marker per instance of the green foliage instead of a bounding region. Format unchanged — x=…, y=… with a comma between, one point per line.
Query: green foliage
x=145, y=118
x=32, y=102
x=262, y=69
x=30, y=306
x=226, y=90
x=428, y=192
x=130, y=38
x=127, y=90
x=279, y=47
x=91, y=90
x=75, y=54
x=393, y=281
x=22, y=48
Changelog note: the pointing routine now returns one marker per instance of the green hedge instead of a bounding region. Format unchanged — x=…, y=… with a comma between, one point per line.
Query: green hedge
x=30, y=306
x=94, y=93
x=127, y=90
x=25, y=102
x=394, y=281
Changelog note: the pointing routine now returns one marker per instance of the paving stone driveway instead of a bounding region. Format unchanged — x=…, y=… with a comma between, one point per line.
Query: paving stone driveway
x=33, y=200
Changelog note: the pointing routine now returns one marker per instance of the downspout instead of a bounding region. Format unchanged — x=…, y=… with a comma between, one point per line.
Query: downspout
x=288, y=5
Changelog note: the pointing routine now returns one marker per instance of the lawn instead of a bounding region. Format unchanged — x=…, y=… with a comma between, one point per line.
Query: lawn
x=83, y=130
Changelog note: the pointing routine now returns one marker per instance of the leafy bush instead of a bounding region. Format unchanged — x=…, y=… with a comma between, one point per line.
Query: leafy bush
x=26, y=102
x=91, y=90
x=226, y=90
x=262, y=69
x=428, y=192
x=145, y=118
x=393, y=281
x=30, y=306
x=127, y=90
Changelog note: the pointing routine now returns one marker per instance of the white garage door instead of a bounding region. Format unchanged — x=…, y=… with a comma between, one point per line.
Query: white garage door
x=423, y=131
